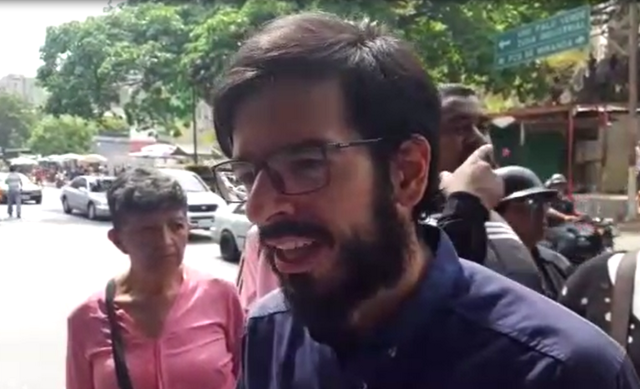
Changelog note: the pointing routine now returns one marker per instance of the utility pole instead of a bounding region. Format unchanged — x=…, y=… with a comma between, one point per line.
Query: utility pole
x=632, y=122
x=194, y=118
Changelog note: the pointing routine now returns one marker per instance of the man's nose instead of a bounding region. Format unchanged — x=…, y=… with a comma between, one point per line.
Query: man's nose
x=264, y=201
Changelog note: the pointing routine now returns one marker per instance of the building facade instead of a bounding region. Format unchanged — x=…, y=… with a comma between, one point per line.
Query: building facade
x=24, y=87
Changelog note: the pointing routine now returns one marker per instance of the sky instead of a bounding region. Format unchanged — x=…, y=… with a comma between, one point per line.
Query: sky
x=23, y=27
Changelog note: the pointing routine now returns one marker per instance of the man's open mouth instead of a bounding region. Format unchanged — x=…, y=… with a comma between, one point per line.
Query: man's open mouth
x=295, y=254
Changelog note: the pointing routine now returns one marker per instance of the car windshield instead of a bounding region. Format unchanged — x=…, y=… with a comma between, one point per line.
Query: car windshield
x=189, y=182
x=101, y=184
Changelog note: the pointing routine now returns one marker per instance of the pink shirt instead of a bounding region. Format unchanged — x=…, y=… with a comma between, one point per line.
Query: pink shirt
x=199, y=346
x=256, y=277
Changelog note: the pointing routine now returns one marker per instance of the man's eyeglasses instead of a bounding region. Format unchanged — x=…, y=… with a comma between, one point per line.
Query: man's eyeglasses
x=293, y=171
x=535, y=204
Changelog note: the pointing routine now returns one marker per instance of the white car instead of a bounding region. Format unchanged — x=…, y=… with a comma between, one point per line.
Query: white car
x=202, y=202
x=230, y=231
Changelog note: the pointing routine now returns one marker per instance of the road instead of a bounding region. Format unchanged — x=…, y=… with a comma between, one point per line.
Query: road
x=51, y=262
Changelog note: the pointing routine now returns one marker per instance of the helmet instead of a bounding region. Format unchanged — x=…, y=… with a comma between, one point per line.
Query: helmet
x=520, y=182
x=555, y=180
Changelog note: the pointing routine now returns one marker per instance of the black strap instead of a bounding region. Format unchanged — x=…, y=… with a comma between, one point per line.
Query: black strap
x=622, y=302
x=117, y=345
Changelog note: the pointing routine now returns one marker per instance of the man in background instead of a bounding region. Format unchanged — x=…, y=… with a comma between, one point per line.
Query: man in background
x=464, y=129
x=14, y=189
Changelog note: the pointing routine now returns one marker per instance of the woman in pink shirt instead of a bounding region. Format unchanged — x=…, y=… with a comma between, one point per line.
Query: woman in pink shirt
x=255, y=278
x=161, y=325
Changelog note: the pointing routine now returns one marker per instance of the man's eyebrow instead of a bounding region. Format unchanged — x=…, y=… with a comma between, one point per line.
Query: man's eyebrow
x=307, y=143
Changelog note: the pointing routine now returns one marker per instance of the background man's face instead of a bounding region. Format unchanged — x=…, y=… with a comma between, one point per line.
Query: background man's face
x=462, y=130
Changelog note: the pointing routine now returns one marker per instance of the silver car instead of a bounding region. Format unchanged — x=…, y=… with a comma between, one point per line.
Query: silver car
x=87, y=195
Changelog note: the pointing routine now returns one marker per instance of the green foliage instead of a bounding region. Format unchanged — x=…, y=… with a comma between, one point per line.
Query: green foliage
x=129, y=56
x=112, y=125
x=17, y=119
x=161, y=51
x=63, y=134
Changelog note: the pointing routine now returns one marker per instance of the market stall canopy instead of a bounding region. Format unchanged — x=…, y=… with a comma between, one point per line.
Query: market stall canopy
x=93, y=158
x=23, y=161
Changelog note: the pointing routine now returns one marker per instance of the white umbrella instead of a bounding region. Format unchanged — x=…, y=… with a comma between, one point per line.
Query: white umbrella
x=22, y=161
x=94, y=158
x=70, y=156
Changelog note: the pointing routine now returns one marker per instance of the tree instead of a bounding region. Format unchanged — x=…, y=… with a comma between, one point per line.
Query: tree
x=129, y=57
x=454, y=39
x=17, y=119
x=110, y=124
x=158, y=53
x=63, y=134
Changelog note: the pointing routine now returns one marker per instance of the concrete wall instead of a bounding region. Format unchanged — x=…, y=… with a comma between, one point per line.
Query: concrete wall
x=614, y=179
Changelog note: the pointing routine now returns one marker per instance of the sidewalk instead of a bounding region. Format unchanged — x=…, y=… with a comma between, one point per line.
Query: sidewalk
x=631, y=226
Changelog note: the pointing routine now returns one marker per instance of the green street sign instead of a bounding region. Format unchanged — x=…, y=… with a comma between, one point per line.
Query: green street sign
x=564, y=31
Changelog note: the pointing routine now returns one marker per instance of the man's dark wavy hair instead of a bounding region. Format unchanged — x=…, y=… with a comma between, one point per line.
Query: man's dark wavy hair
x=388, y=93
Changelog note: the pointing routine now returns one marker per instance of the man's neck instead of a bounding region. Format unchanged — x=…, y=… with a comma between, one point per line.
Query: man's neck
x=143, y=284
x=384, y=304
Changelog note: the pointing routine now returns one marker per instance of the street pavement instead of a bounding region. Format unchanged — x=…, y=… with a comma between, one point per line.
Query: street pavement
x=51, y=262
x=628, y=241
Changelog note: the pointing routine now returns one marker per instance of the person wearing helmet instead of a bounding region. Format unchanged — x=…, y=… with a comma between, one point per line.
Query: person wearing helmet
x=561, y=209
x=524, y=206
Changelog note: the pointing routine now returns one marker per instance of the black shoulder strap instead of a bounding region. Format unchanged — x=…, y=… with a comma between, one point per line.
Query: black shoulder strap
x=622, y=302
x=117, y=345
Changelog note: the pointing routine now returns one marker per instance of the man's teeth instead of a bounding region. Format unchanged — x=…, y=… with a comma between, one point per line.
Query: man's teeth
x=293, y=245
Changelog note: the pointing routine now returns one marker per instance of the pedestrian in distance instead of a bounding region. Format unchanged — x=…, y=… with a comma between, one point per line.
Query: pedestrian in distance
x=331, y=128
x=161, y=323
x=14, y=192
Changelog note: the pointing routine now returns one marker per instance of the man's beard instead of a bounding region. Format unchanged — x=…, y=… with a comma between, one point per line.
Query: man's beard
x=365, y=265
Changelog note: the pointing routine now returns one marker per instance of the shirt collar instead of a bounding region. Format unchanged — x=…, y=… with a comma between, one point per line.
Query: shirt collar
x=437, y=287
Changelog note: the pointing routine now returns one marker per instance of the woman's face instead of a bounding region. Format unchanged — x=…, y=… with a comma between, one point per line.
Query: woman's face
x=154, y=241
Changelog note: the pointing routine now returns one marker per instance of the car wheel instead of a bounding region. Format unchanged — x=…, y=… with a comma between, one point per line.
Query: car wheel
x=229, y=248
x=91, y=212
x=38, y=200
x=65, y=206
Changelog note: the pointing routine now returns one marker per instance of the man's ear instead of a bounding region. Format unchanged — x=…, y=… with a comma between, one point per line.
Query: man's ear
x=114, y=237
x=410, y=171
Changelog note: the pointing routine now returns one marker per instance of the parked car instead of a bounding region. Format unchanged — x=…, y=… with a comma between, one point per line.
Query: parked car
x=88, y=195
x=230, y=231
x=30, y=191
x=202, y=201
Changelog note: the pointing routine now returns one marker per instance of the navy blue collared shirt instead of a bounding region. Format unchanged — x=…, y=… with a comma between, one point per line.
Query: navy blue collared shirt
x=466, y=327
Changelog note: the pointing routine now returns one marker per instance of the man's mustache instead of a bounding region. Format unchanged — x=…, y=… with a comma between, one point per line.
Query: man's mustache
x=286, y=228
